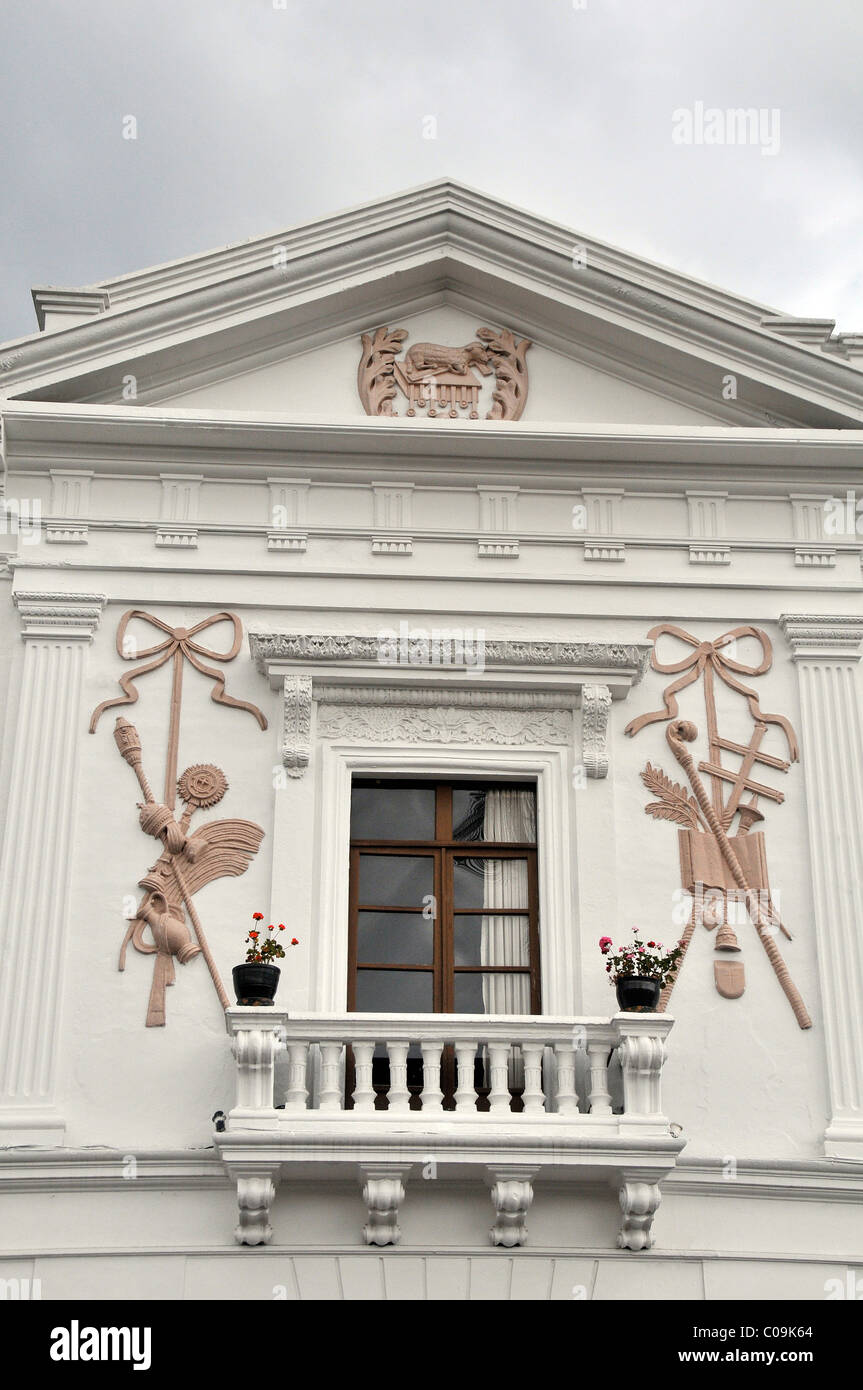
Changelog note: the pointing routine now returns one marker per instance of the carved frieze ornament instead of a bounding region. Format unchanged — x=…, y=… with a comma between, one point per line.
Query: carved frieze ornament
x=719, y=867
x=438, y=380
x=189, y=859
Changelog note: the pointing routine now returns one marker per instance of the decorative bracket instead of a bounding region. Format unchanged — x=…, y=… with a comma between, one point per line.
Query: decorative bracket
x=297, y=724
x=595, y=706
x=511, y=1195
x=639, y=1200
x=383, y=1194
x=256, y=1190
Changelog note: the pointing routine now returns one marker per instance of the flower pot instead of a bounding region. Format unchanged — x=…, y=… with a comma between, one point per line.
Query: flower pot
x=638, y=994
x=256, y=984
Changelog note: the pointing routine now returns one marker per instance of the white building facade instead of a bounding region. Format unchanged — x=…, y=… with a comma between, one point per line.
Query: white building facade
x=403, y=521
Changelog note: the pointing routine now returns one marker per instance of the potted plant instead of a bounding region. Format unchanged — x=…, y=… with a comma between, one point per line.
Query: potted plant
x=256, y=981
x=639, y=971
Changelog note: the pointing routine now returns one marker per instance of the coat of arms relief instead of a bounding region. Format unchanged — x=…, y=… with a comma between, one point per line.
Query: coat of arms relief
x=437, y=380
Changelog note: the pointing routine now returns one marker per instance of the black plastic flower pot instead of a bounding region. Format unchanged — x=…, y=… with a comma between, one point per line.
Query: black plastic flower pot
x=256, y=984
x=638, y=994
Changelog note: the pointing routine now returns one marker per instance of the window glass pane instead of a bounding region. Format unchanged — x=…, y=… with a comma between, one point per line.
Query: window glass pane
x=505, y=814
x=395, y=880
x=489, y=883
x=395, y=992
x=392, y=813
x=492, y=940
x=396, y=938
x=481, y=992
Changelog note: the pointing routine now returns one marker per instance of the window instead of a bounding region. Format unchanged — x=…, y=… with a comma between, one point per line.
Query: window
x=443, y=898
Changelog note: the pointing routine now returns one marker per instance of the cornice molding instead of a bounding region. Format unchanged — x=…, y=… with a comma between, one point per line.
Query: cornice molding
x=451, y=231
x=62, y=615
x=574, y=658
x=120, y=439
x=823, y=637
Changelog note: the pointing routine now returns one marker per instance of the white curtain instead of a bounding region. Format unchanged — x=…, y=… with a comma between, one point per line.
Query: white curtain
x=510, y=817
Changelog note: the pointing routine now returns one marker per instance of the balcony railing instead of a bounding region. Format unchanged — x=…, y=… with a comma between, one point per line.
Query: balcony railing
x=515, y=1095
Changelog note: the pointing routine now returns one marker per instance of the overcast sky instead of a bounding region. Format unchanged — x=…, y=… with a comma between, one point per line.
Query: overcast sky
x=254, y=115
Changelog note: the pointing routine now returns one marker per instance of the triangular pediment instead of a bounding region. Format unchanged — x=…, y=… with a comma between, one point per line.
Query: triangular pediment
x=277, y=325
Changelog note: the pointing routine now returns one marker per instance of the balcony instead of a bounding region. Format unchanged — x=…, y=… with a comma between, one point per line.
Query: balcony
x=501, y=1097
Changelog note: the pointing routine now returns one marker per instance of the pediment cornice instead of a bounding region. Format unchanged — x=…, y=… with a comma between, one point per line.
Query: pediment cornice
x=438, y=239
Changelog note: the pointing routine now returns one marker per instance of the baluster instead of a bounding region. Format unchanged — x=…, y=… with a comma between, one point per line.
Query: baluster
x=599, y=1098
x=532, y=1096
x=331, y=1091
x=465, y=1095
x=499, y=1097
x=432, y=1093
x=364, y=1095
x=297, y=1094
x=565, y=1097
x=399, y=1095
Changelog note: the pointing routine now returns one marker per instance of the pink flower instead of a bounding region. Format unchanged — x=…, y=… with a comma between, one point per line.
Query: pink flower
x=604, y=943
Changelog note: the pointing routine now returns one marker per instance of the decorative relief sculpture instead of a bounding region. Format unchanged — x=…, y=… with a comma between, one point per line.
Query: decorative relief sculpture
x=449, y=724
x=188, y=860
x=718, y=867
x=437, y=379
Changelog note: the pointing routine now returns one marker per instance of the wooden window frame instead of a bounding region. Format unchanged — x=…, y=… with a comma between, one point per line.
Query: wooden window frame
x=444, y=850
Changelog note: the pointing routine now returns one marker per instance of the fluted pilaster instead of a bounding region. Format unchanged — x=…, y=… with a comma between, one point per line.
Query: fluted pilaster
x=827, y=650
x=36, y=865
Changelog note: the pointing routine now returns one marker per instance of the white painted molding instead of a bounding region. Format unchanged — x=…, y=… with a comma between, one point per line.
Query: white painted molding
x=392, y=545
x=70, y=492
x=177, y=537
x=66, y=533
x=488, y=549
x=287, y=540
x=564, y=665
x=453, y=722
x=297, y=724
x=639, y=1199
x=595, y=710
x=512, y=1197
x=707, y=517
x=497, y=523
x=256, y=1189
x=383, y=1188
x=392, y=509
x=826, y=650
x=287, y=520
x=180, y=498
x=604, y=550
x=36, y=866
x=712, y=555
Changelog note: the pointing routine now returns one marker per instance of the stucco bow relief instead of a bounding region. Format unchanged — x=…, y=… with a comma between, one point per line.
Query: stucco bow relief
x=717, y=866
x=190, y=859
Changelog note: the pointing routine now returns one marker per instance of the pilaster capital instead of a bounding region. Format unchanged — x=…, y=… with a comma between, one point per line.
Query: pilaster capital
x=823, y=637
x=72, y=617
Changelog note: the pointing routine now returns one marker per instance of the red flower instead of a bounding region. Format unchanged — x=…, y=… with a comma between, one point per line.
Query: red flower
x=281, y=926
x=258, y=916
x=651, y=943
x=294, y=941
x=254, y=935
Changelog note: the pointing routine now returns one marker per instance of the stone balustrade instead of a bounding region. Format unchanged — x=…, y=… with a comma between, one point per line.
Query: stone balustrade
x=513, y=1096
